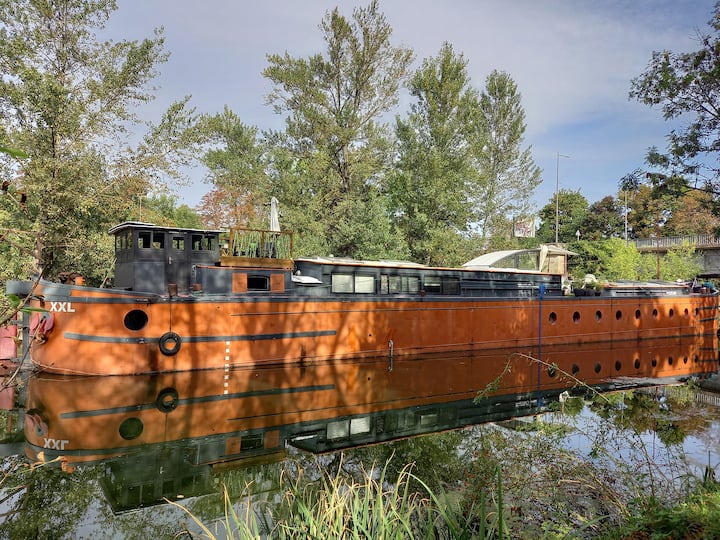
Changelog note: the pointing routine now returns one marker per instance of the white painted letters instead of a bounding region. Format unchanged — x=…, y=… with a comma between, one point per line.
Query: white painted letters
x=64, y=307
x=55, y=444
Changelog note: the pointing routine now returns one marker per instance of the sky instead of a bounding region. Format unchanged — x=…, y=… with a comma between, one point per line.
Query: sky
x=572, y=60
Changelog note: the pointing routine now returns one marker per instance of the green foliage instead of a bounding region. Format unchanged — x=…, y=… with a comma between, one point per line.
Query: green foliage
x=610, y=259
x=66, y=98
x=680, y=263
x=163, y=210
x=337, y=145
x=569, y=210
x=604, y=220
x=680, y=83
x=507, y=171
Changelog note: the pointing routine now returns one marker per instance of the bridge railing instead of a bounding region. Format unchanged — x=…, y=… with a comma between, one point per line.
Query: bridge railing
x=664, y=242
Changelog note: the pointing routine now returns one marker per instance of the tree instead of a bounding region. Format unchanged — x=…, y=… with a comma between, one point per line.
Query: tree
x=692, y=215
x=429, y=190
x=685, y=86
x=508, y=172
x=65, y=99
x=569, y=210
x=237, y=164
x=335, y=103
x=609, y=259
x=604, y=220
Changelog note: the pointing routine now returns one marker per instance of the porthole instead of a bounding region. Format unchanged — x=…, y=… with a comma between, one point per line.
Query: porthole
x=637, y=314
x=655, y=314
x=685, y=359
x=695, y=358
x=618, y=365
x=598, y=367
x=637, y=363
x=552, y=317
x=654, y=362
x=671, y=313
x=697, y=312
x=576, y=317
x=670, y=360
x=131, y=428
x=575, y=369
x=598, y=315
x=618, y=315
x=135, y=319
x=551, y=371
x=686, y=313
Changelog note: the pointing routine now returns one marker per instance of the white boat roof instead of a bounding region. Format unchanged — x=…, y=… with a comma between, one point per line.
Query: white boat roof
x=488, y=260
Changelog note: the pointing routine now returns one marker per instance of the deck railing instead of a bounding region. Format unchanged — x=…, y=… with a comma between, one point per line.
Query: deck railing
x=258, y=243
x=664, y=242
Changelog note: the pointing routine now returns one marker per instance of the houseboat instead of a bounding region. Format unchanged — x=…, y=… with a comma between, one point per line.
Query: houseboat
x=186, y=299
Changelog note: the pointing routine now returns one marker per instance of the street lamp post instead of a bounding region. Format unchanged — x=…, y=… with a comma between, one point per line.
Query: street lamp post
x=557, y=195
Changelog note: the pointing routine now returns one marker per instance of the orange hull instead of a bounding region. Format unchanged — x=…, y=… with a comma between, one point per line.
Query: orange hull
x=94, y=330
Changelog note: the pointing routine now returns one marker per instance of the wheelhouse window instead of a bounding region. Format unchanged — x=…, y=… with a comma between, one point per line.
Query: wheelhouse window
x=178, y=242
x=158, y=240
x=349, y=283
x=144, y=239
x=202, y=242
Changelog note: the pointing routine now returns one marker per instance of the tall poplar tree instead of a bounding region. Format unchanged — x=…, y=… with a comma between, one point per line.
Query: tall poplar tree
x=508, y=172
x=434, y=175
x=335, y=103
x=66, y=100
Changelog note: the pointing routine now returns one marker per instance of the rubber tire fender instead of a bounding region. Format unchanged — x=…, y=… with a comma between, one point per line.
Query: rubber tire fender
x=167, y=400
x=170, y=343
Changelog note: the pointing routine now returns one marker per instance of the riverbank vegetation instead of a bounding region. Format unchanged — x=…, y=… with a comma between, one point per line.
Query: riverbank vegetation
x=616, y=473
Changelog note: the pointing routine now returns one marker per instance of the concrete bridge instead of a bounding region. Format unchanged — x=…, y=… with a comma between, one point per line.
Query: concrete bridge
x=707, y=245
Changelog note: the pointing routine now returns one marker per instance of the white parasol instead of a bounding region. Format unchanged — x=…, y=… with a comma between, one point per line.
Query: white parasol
x=274, y=215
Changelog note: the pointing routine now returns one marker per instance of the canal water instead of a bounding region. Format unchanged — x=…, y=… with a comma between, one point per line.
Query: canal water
x=138, y=457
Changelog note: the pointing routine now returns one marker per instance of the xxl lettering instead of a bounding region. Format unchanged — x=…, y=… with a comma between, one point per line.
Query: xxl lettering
x=54, y=444
x=64, y=307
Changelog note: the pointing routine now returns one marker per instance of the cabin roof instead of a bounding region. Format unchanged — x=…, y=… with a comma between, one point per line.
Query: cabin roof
x=489, y=259
x=356, y=262
x=142, y=225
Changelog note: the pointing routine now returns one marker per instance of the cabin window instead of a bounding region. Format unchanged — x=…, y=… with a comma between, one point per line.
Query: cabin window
x=342, y=283
x=438, y=285
x=522, y=261
x=178, y=242
x=251, y=442
x=399, y=284
x=433, y=285
x=258, y=283
x=348, y=283
x=144, y=239
x=158, y=240
x=364, y=283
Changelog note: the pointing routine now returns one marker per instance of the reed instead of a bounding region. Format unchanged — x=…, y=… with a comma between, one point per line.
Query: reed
x=336, y=506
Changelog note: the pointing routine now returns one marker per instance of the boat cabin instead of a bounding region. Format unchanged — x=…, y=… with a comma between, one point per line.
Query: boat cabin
x=170, y=260
x=151, y=259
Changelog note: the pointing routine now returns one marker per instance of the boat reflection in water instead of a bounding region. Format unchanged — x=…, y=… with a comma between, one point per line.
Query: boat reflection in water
x=164, y=436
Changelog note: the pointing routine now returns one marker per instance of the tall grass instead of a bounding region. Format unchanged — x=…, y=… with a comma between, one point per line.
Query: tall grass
x=338, y=507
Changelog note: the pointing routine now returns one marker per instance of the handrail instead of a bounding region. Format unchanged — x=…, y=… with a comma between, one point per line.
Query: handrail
x=707, y=240
x=259, y=243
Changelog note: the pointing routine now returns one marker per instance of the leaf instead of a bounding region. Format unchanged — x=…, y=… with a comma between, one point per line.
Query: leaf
x=14, y=152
